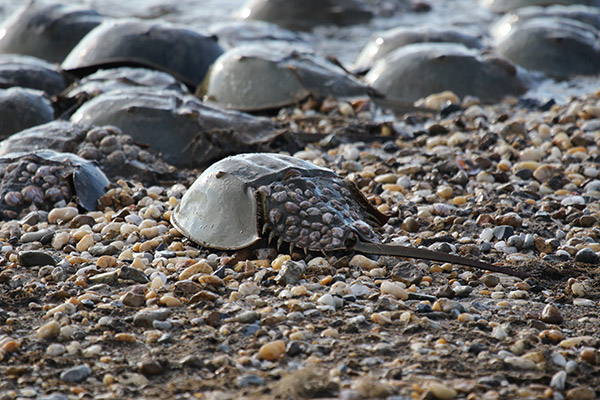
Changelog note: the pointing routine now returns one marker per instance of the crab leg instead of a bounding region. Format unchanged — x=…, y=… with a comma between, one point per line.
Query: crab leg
x=426, y=254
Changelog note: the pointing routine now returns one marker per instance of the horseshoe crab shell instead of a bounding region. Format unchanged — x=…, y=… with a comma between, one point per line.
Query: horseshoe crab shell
x=187, y=132
x=583, y=14
x=51, y=177
x=22, y=108
x=559, y=47
x=253, y=78
x=502, y=6
x=383, y=43
x=418, y=70
x=181, y=52
x=305, y=15
x=30, y=72
x=221, y=209
x=47, y=31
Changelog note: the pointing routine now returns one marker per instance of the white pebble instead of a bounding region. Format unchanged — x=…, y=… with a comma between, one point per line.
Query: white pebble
x=394, y=289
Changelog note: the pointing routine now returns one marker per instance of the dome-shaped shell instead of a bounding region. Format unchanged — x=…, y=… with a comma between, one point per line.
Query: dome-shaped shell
x=30, y=72
x=181, y=52
x=385, y=42
x=501, y=6
x=22, y=108
x=220, y=209
x=306, y=14
x=187, y=132
x=251, y=78
x=559, y=47
x=511, y=20
x=47, y=31
x=418, y=70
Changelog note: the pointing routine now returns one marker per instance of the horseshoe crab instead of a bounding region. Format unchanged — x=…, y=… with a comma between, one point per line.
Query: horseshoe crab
x=254, y=78
x=236, y=33
x=502, y=6
x=383, y=43
x=559, y=47
x=307, y=14
x=187, y=132
x=47, y=31
x=418, y=70
x=30, y=72
x=22, y=108
x=40, y=179
x=240, y=199
x=114, y=152
x=583, y=14
x=181, y=52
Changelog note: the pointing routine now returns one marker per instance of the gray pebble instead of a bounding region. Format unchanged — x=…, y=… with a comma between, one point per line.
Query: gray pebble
x=247, y=317
x=249, y=380
x=503, y=232
x=162, y=325
x=44, y=235
x=98, y=250
x=145, y=317
x=76, y=374
x=106, y=277
x=291, y=272
x=515, y=241
x=587, y=256
x=133, y=274
x=34, y=257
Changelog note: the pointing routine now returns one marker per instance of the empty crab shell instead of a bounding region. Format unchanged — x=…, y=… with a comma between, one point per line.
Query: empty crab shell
x=240, y=198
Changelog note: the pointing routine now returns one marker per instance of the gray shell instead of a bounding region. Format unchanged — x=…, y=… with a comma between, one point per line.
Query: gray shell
x=583, y=14
x=74, y=176
x=559, y=47
x=221, y=210
x=22, y=108
x=187, y=132
x=30, y=72
x=253, y=78
x=502, y=6
x=47, y=31
x=181, y=52
x=306, y=14
x=418, y=70
x=106, y=80
x=385, y=42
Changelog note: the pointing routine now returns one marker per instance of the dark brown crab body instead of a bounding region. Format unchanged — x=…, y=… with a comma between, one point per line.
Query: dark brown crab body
x=240, y=199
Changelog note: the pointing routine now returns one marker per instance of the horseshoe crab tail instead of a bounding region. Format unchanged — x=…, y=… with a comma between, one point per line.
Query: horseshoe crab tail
x=425, y=254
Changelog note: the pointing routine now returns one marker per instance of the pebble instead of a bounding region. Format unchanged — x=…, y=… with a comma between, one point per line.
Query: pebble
x=441, y=391
x=290, y=272
x=363, y=262
x=34, y=258
x=587, y=256
x=76, y=374
x=326, y=300
x=551, y=314
x=490, y=280
x=394, y=289
x=144, y=318
x=49, y=330
x=62, y=215
x=132, y=274
x=272, y=351
x=559, y=380
x=581, y=393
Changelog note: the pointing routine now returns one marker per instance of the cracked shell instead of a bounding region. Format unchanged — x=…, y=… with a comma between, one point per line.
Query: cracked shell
x=238, y=200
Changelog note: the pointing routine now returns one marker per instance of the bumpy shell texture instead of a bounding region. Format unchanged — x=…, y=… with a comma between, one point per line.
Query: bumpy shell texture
x=241, y=198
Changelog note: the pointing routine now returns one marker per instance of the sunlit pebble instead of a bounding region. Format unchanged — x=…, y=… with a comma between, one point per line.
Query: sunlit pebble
x=92, y=350
x=62, y=215
x=248, y=288
x=272, y=351
x=55, y=349
x=49, y=330
x=441, y=391
x=330, y=332
x=380, y=319
x=279, y=260
x=589, y=355
x=394, y=289
x=361, y=261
